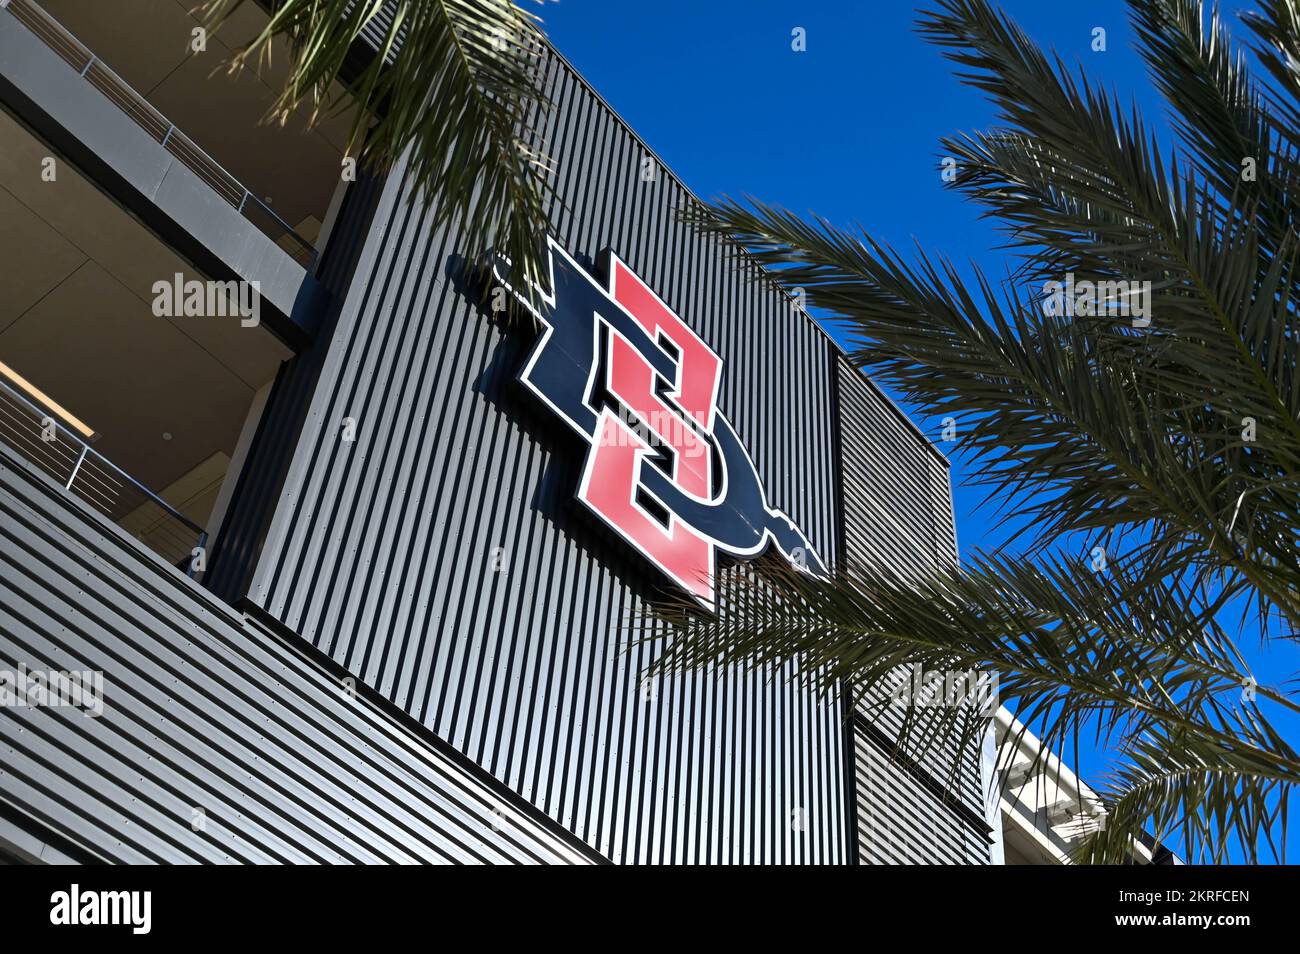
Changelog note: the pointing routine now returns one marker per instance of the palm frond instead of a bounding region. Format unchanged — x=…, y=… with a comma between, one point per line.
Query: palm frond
x=1218, y=109
x=1276, y=25
x=1053, y=412
x=1074, y=652
x=454, y=87
x=1135, y=438
x=1211, y=799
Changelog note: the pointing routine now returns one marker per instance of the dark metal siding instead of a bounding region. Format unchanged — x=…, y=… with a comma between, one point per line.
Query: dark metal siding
x=898, y=505
x=381, y=550
x=204, y=710
x=898, y=514
x=239, y=539
x=900, y=821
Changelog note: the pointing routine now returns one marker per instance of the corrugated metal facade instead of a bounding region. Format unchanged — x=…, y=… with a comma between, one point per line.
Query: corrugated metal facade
x=219, y=742
x=441, y=558
x=236, y=548
x=900, y=821
x=898, y=513
x=897, y=499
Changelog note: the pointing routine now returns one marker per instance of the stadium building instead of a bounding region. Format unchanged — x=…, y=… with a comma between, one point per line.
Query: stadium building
x=342, y=571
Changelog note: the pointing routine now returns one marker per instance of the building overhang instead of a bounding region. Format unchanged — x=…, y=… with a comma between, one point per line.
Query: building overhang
x=78, y=121
x=1044, y=805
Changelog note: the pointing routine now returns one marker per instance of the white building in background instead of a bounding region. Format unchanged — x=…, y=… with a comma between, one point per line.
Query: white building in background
x=1042, y=808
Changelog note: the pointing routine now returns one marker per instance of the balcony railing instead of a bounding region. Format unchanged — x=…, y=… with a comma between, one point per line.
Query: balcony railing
x=42, y=439
x=53, y=34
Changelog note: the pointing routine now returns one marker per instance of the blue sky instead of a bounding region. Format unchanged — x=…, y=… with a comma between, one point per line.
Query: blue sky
x=848, y=129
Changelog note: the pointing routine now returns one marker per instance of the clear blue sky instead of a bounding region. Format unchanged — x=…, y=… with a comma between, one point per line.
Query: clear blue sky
x=848, y=129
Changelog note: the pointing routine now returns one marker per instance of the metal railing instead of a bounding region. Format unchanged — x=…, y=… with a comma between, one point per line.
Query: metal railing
x=54, y=35
x=42, y=439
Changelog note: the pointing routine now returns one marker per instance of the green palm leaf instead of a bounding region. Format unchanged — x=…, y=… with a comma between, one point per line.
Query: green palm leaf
x=454, y=87
x=1141, y=667
x=1104, y=433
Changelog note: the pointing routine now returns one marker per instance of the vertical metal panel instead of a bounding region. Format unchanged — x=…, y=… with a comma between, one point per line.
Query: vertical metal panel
x=894, y=482
x=900, y=821
x=239, y=538
x=381, y=550
x=204, y=711
x=898, y=514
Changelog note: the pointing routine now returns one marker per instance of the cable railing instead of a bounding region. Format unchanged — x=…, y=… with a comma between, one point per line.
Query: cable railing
x=95, y=72
x=39, y=437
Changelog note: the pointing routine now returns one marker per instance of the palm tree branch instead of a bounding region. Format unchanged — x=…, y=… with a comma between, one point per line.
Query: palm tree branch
x=454, y=86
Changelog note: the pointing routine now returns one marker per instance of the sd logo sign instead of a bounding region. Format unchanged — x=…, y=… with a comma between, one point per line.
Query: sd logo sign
x=665, y=470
